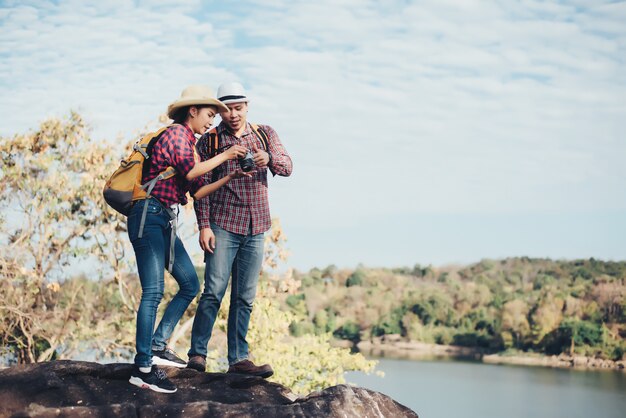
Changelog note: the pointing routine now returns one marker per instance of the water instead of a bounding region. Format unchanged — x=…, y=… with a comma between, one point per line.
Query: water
x=447, y=389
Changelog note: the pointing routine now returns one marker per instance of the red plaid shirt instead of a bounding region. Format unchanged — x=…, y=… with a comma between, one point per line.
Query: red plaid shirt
x=175, y=149
x=241, y=205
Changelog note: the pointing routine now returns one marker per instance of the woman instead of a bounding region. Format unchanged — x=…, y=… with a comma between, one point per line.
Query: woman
x=192, y=113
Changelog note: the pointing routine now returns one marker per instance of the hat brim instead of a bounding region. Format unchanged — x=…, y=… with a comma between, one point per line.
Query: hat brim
x=171, y=109
x=235, y=100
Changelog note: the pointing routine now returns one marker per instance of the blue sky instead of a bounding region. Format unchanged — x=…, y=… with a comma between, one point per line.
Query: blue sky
x=429, y=132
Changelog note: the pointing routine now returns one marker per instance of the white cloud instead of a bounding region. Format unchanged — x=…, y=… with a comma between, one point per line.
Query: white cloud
x=412, y=107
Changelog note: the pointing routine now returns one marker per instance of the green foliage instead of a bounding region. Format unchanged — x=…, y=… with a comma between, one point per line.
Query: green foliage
x=573, y=333
x=324, y=321
x=543, y=281
x=390, y=323
x=472, y=339
x=355, y=279
x=296, y=304
x=348, y=331
x=303, y=364
x=300, y=328
x=516, y=303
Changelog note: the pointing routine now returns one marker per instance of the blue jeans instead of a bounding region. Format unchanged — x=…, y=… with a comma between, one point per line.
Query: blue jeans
x=241, y=255
x=152, y=252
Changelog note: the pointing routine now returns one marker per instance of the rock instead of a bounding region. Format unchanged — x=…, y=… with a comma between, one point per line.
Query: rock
x=391, y=338
x=341, y=343
x=83, y=389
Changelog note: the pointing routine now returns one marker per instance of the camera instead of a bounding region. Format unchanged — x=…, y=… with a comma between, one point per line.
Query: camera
x=246, y=163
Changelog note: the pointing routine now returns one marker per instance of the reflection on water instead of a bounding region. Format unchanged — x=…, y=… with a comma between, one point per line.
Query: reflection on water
x=475, y=390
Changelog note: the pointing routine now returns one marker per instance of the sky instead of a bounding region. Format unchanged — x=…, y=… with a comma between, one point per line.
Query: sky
x=422, y=132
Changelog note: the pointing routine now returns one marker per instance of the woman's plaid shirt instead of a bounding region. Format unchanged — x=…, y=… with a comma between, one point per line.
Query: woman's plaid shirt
x=241, y=206
x=175, y=149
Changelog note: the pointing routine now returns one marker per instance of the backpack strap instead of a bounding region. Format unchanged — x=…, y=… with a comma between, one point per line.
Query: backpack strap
x=262, y=135
x=141, y=148
x=213, y=139
x=265, y=140
x=213, y=142
x=164, y=175
x=146, y=150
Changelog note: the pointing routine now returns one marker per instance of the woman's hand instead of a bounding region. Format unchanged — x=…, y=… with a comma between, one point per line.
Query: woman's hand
x=239, y=173
x=235, y=152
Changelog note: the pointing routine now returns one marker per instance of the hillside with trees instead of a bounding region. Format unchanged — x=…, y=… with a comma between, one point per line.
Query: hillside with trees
x=511, y=305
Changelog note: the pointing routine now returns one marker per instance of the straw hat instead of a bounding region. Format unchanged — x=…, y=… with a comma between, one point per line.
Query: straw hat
x=196, y=95
x=231, y=93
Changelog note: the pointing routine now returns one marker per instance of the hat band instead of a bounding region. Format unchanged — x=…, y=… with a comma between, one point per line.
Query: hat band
x=221, y=99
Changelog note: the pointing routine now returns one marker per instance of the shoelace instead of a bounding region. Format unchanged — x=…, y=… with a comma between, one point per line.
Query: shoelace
x=160, y=374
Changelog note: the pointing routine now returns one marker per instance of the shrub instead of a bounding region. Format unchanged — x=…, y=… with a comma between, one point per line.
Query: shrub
x=355, y=279
x=348, y=331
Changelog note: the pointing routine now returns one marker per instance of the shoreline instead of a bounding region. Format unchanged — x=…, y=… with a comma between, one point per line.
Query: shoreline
x=396, y=347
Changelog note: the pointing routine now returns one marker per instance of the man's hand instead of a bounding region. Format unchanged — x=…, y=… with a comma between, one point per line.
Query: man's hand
x=260, y=157
x=207, y=240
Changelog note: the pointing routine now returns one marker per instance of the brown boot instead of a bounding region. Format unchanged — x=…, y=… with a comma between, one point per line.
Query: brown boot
x=248, y=367
x=197, y=363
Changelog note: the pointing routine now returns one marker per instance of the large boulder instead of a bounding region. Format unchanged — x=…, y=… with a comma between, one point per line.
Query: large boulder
x=84, y=389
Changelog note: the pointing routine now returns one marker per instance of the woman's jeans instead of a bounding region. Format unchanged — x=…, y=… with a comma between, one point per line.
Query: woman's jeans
x=243, y=256
x=152, y=252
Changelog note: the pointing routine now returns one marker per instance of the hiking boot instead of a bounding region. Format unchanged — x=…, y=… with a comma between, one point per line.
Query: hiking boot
x=167, y=357
x=248, y=367
x=156, y=380
x=197, y=363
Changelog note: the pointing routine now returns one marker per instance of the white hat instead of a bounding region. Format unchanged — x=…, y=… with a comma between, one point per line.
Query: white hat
x=196, y=95
x=231, y=93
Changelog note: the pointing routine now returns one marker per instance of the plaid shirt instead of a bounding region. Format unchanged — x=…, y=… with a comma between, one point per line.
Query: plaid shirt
x=175, y=149
x=241, y=206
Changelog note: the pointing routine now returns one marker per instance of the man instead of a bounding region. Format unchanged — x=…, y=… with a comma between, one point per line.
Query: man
x=232, y=222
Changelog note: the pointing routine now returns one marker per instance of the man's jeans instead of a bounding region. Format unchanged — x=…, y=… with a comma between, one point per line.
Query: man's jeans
x=152, y=252
x=243, y=254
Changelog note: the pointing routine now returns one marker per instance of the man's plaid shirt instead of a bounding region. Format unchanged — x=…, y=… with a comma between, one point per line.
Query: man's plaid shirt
x=173, y=149
x=241, y=206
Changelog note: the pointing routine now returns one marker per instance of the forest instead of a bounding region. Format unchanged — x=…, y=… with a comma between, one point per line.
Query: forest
x=510, y=305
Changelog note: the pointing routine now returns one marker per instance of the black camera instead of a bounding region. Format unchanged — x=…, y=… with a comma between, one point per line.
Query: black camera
x=246, y=163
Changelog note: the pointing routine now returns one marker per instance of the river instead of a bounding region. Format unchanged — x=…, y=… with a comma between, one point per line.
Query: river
x=449, y=389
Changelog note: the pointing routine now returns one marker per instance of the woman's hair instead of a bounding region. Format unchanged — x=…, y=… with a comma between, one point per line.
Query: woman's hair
x=180, y=116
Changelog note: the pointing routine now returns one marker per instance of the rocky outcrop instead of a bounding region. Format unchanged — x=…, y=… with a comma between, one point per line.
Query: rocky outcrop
x=83, y=389
x=562, y=361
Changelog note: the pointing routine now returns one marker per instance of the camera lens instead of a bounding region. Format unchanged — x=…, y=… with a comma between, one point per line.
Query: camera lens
x=246, y=163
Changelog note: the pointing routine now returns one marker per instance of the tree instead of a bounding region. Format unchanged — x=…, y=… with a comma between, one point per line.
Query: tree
x=546, y=317
x=515, y=321
x=55, y=218
x=571, y=334
x=355, y=279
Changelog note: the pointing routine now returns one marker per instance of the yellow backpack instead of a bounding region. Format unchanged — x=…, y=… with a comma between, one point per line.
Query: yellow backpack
x=124, y=186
